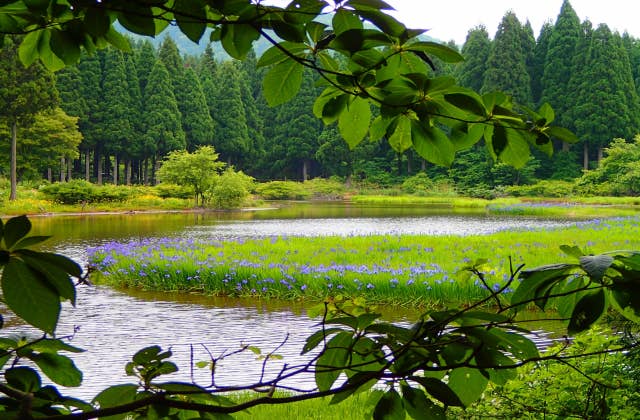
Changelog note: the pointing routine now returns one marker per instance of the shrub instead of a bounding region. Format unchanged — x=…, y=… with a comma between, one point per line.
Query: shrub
x=168, y=190
x=325, y=188
x=231, y=189
x=419, y=184
x=546, y=188
x=283, y=190
x=72, y=192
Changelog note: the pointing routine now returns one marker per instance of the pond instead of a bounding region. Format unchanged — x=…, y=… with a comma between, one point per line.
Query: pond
x=115, y=324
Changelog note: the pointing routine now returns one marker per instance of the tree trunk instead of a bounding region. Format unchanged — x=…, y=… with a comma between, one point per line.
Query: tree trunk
x=305, y=169
x=585, y=157
x=127, y=170
x=565, y=146
x=409, y=168
x=63, y=169
x=69, y=169
x=423, y=165
x=14, y=163
x=145, y=172
x=600, y=154
x=115, y=169
x=98, y=168
x=49, y=174
x=87, y=166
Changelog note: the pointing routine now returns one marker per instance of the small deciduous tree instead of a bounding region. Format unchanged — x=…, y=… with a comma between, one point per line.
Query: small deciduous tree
x=199, y=170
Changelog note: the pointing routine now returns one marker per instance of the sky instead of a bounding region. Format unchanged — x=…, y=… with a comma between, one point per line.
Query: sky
x=451, y=19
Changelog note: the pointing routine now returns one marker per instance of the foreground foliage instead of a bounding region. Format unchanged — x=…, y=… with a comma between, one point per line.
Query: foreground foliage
x=446, y=359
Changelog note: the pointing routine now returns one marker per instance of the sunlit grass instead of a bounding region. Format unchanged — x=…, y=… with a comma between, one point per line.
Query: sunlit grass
x=394, y=269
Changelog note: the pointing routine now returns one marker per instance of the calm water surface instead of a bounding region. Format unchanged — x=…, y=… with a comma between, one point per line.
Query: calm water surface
x=115, y=324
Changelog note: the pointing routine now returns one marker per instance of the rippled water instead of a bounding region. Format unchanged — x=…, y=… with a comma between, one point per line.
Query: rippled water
x=114, y=325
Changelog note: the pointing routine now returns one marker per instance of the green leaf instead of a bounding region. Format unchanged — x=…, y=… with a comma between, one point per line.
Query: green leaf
x=282, y=82
x=28, y=50
x=275, y=55
x=116, y=39
x=587, y=311
x=354, y=121
x=96, y=21
x=546, y=112
x=443, y=52
x=378, y=128
x=386, y=23
x=389, y=407
x=467, y=101
x=401, y=139
x=65, y=47
x=561, y=134
x=537, y=280
x=23, y=378
x=30, y=241
x=64, y=263
x=116, y=395
x=318, y=337
x=344, y=20
x=290, y=32
x=15, y=229
x=516, y=151
x=626, y=299
x=419, y=407
x=55, y=276
x=147, y=355
x=440, y=391
x=60, y=369
x=596, y=265
x=369, y=5
x=468, y=384
x=432, y=144
x=333, y=360
x=191, y=18
x=138, y=19
x=27, y=294
x=54, y=346
x=572, y=251
x=237, y=39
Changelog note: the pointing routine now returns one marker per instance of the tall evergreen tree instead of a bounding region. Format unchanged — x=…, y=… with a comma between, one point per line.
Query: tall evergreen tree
x=91, y=126
x=145, y=58
x=163, y=129
x=196, y=120
x=475, y=51
x=134, y=146
x=23, y=93
x=117, y=128
x=539, y=60
x=252, y=99
x=507, y=63
x=232, y=139
x=170, y=57
x=207, y=64
x=72, y=102
x=559, y=64
x=296, y=134
x=632, y=45
x=607, y=103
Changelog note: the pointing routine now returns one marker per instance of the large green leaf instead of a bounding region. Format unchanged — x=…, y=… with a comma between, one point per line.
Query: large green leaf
x=282, y=82
x=344, y=20
x=389, y=407
x=237, y=39
x=27, y=294
x=532, y=281
x=432, y=144
x=55, y=276
x=23, y=378
x=116, y=395
x=65, y=47
x=333, y=360
x=596, y=265
x=440, y=391
x=318, y=337
x=28, y=50
x=354, y=121
x=587, y=311
x=516, y=151
x=419, y=407
x=626, y=299
x=443, y=52
x=138, y=19
x=15, y=229
x=400, y=139
x=468, y=384
x=190, y=16
x=64, y=263
x=275, y=54
x=60, y=369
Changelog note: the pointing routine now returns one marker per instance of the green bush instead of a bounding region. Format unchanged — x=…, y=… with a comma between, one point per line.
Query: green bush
x=72, y=192
x=546, y=188
x=231, y=189
x=325, y=188
x=419, y=184
x=115, y=193
x=168, y=190
x=283, y=190
x=553, y=390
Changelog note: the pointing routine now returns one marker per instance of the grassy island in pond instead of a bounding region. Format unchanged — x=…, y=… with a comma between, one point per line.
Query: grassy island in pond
x=392, y=269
